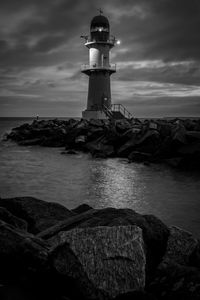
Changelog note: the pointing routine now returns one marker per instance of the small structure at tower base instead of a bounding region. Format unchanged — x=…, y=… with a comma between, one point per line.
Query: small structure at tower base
x=94, y=114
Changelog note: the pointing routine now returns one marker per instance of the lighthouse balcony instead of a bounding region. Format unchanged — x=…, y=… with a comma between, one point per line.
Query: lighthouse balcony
x=92, y=68
x=111, y=41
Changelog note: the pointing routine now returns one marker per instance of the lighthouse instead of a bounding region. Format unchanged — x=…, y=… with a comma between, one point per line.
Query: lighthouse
x=99, y=69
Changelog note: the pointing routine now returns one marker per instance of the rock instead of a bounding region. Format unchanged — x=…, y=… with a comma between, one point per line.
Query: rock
x=39, y=214
x=180, y=246
x=189, y=149
x=193, y=135
x=9, y=218
x=137, y=156
x=98, y=149
x=195, y=256
x=31, y=142
x=175, y=282
x=174, y=161
x=81, y=208
x=128, y=147
x=81, y=139
x=179, y=134
x=155, y=233
x=71, y=151
x=122, y=125
x=153, y=125
x=20, y=252
x=112, y=259
x=136, y=295
x=68, y=224
x=149, y=142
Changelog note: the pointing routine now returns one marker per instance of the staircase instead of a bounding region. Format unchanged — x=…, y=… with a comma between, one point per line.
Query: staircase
x=117, y=112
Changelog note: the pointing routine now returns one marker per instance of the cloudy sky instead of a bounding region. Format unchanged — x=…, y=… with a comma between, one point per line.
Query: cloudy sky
x=158, y=60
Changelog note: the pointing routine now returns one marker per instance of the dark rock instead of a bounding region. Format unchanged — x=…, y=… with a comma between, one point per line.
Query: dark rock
x=20, y=252
x=174, y=161
x=122, y=125
x=193, y=135
x=179, y=135
x=155, y=233
x=112, y=258
x=71, y=151
x=68, y=224
x=136, y=295
x=9, y=218
x=31, y=142
x=180, y=246
x=176, y=282
x=37, y=213
x=194, y=259
x=149, y=142
x=139, y=156
x=189, y=149
x=82, y=208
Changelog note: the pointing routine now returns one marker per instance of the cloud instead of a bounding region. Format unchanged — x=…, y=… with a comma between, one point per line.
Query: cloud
x=41, y=52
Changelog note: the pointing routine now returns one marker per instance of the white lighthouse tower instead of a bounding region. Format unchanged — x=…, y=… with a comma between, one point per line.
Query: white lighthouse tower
x=99, y=68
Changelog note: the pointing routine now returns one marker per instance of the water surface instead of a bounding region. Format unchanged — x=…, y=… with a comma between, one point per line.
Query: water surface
x=70, y=180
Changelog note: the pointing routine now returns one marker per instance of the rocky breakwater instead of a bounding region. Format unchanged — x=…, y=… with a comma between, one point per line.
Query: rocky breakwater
x=175, y=142
x=50, y=252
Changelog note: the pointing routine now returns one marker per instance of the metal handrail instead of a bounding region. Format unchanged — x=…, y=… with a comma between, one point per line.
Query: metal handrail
x=95, y=67
x=122, y=109
x=107, y=111
x=111, y=40
x=86, y=66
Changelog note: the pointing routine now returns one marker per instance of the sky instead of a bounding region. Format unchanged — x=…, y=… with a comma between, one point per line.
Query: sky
x=41, y=53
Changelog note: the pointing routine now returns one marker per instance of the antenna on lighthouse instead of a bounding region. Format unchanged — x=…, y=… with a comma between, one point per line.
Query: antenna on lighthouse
x=100, y=11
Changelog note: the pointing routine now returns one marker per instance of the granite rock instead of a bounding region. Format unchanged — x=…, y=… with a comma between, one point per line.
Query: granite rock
x=113, y=258
x=38, y=214
x=180, y=246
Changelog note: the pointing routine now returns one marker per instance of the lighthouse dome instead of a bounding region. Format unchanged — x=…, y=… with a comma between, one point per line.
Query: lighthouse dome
x=99, y=21
x=99, y=28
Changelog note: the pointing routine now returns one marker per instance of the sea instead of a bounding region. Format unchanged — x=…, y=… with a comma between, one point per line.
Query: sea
x=42, y=172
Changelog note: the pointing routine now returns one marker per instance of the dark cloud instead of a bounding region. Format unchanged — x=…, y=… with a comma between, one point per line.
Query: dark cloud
x=40, y=41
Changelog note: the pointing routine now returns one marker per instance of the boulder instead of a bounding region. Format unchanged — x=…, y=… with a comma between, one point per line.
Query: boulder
x=137, y=156
x=81, y=208
x=9, y=218
x=122, y=125
x=37, y=213
x=111, y=260
x=193, y=135
x=179, y=135
x=180, y=246
x=20, y=252
x=155, y=233
x=189, y=149
x=175, y=282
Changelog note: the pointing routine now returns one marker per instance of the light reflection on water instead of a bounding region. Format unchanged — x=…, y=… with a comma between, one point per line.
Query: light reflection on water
x=73, y=179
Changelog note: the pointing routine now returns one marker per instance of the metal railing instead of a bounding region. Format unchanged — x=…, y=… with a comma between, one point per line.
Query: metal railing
x=111, y=67
x=111, y=40
x=120, y=108
x=116, y=108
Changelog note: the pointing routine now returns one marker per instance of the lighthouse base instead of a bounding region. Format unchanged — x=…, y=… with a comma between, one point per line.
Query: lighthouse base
x=94, y=114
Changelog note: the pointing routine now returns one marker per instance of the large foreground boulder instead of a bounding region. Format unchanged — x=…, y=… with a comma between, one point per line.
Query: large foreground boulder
x=37, y=213
x=155, y=233
x=111, y=260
